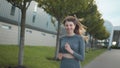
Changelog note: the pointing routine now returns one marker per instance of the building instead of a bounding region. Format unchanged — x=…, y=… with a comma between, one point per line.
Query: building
x=39, y=28
x=116, y=35
x=114, y=31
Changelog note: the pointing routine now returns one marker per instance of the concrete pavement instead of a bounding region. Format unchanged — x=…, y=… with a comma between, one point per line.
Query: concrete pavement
x=109, y=59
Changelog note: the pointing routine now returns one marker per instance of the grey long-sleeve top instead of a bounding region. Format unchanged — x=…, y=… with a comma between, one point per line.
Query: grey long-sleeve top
x=76, y=43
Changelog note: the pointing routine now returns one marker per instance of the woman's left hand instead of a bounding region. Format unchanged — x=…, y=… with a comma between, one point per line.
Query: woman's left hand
x=68, y=48
x=60, y=55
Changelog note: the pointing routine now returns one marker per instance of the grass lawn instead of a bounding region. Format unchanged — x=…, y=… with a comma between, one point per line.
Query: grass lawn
x=36, y=56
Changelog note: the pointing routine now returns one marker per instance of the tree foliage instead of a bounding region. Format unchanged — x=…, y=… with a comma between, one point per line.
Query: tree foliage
x=92, y=19
x=60, y=8
x=20, y=3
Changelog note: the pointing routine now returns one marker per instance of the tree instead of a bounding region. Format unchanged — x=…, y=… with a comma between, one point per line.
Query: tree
x=88, y=7
x=102, y=33
x=93, y=20
x=22, y=5
x=59, y=9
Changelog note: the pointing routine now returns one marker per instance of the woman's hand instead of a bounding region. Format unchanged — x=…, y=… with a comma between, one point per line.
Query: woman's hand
x=60, y=56
x=68, y=48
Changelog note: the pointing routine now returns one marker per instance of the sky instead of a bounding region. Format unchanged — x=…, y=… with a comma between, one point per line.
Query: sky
x=110, y=10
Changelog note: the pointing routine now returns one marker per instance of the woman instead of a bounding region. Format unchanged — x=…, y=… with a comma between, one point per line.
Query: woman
x=72, y=46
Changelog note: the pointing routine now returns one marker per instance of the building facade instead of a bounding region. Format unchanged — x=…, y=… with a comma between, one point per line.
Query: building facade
x=114, y=34
x=39, y=28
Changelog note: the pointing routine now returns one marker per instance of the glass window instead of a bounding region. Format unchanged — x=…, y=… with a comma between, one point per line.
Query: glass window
x=29, y=31
x=47, y=23
x=33, y=20
x=43, y=34
x=6, y=27
x=12, y=11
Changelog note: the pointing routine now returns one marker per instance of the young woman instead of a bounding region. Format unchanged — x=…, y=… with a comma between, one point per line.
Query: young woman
x=72, y=46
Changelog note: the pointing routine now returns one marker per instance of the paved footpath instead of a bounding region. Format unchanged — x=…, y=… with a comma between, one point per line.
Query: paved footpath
x=109, y=59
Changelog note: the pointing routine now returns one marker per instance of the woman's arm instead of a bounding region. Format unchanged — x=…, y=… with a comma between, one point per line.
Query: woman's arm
x=81, y=55
x=59, y=56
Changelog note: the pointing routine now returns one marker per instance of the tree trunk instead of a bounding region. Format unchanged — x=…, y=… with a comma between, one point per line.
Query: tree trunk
x=90, y=40
x=57, y=40
x=22, y=36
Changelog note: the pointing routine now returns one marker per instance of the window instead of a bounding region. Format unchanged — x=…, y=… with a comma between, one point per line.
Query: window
x=53, y=20
x=34, y=12
x=29, y=31
x=12, y=11
x=34, y=16
x=43, y=34
x=6, y=27
x=47, y=24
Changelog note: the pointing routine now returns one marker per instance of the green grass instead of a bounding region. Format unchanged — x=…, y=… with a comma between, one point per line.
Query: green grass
x=36, y=56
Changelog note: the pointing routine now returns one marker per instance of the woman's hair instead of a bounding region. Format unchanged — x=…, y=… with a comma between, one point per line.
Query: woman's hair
x=75, y=22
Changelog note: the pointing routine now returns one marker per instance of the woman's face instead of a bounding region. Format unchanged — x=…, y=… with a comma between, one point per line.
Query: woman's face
x=69, y=26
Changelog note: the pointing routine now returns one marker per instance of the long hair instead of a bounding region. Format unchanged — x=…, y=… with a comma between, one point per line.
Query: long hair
x=75, y=22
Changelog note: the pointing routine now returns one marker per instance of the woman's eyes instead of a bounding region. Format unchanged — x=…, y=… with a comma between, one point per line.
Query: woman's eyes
x=69, y=25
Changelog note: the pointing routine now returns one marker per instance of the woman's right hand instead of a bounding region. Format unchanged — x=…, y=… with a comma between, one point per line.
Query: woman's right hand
x=60, y=56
